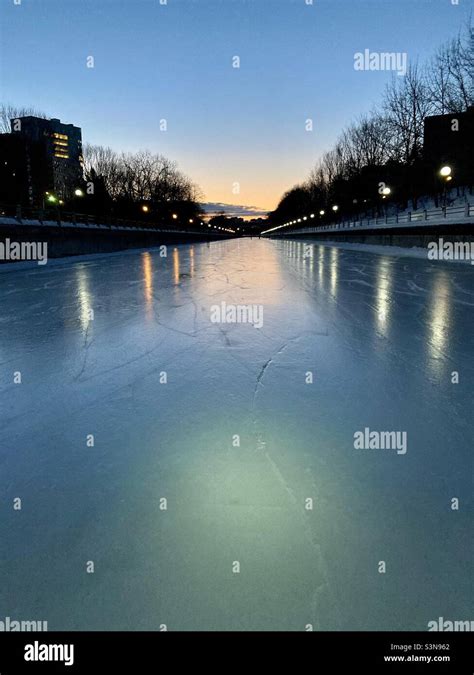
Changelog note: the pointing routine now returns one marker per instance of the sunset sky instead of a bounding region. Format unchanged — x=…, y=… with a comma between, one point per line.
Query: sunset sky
x=173, y=61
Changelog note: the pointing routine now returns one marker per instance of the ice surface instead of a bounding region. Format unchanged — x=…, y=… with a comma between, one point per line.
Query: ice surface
x=382, y=335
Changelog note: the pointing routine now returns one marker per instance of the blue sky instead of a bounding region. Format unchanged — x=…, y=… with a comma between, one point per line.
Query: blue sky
x=174, y=62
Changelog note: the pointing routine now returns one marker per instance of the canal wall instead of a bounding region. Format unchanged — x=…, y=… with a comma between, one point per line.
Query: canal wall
x=418, y=237
x=71, y=241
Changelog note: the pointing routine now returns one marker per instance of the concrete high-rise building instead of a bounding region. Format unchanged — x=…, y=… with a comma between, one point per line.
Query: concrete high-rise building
x=58, y=149
x=449, y=139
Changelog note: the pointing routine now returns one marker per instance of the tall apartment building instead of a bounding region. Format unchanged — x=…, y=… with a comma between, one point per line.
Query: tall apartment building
x=47, y=156
x=449, y=139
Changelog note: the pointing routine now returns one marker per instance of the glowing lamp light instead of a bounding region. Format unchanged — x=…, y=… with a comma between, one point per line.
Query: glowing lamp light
x=445, y=171
x=79, y=193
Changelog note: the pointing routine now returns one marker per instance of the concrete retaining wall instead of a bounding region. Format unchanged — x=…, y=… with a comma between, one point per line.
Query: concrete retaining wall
x=418, y=236
x=71, y=241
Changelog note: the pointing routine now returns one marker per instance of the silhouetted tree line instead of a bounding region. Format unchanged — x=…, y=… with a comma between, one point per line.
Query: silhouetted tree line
x=139, y=185
x=385, y=147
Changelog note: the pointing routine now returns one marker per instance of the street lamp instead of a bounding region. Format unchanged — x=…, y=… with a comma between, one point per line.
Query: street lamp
x=79, y=193
x=321, y=213
x=145, y=208
x=175, y=216
x=446, y=173
x=386, y=191
x=335, y=208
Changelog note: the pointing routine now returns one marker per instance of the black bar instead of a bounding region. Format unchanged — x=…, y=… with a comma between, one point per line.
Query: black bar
x=315, y=652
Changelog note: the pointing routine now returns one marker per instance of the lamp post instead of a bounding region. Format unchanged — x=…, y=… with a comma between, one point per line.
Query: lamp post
x=446, y=176
x=54, y=201
x=50, y=198
x=78, y=194
x=386, y=192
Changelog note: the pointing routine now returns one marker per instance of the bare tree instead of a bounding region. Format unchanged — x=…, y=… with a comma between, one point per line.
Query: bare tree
x=451, y=74
x=366, y=143
x=9, y=112
x=140, y=176
x=407, y=103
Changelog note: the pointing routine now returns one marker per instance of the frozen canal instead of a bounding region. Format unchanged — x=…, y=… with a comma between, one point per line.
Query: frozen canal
x=193, y=500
